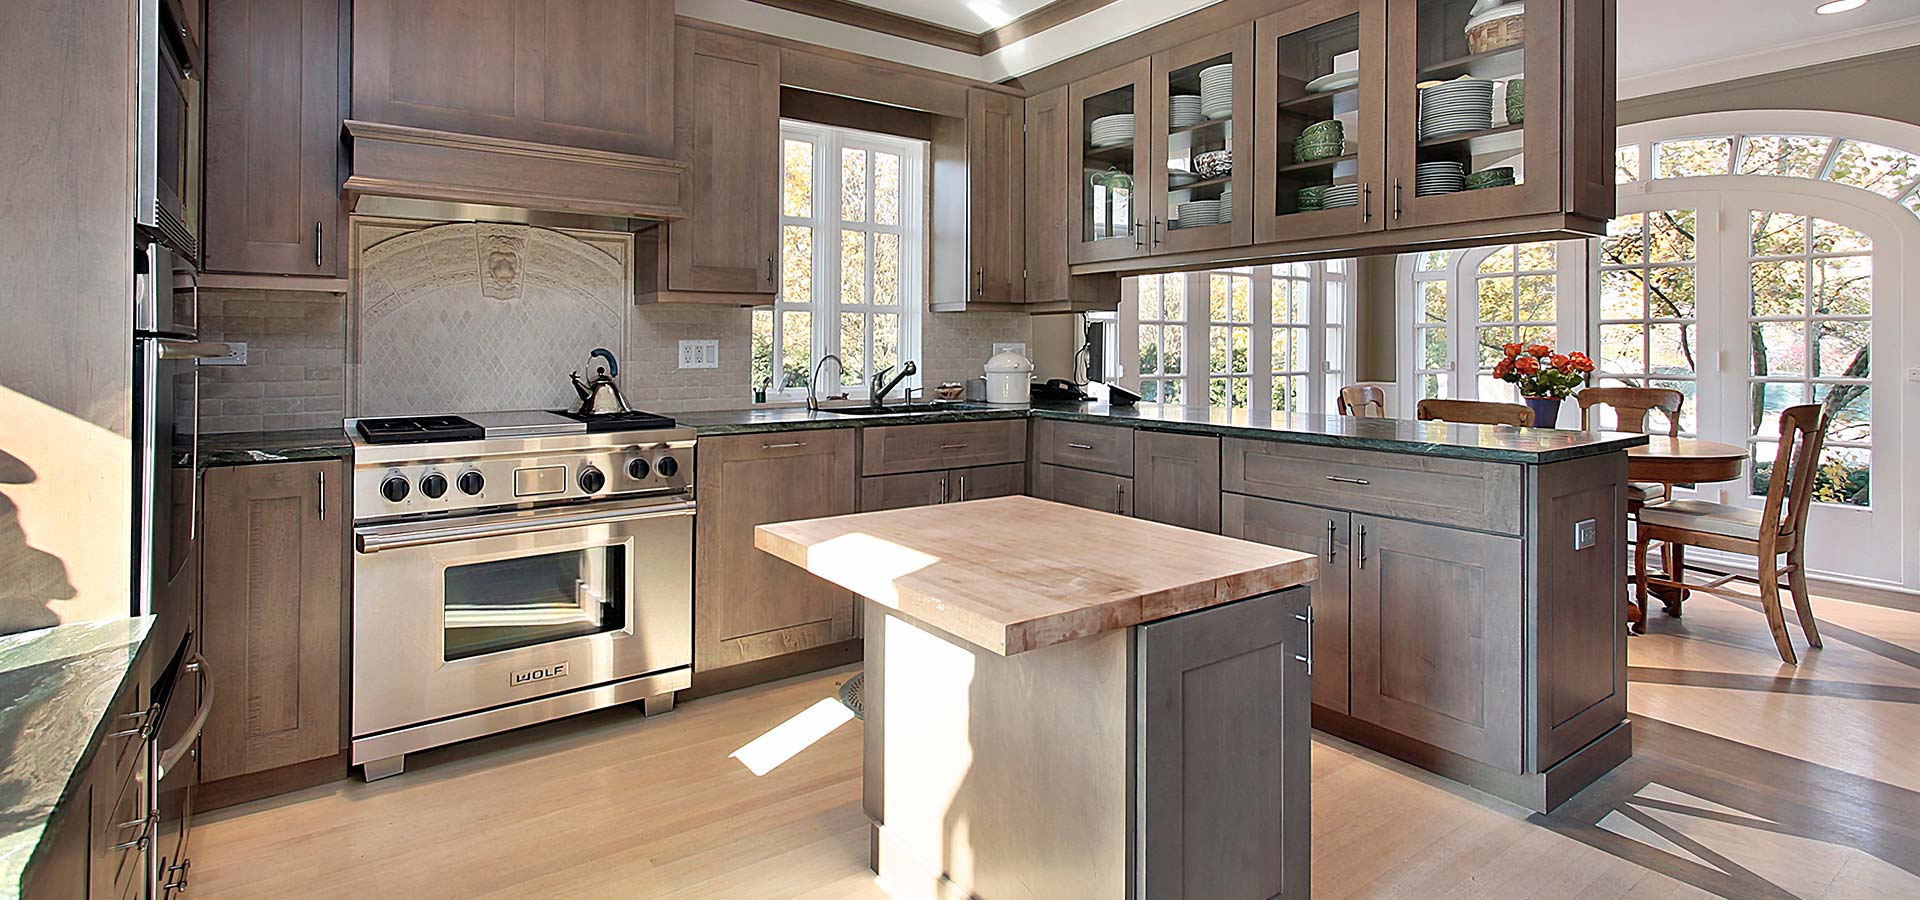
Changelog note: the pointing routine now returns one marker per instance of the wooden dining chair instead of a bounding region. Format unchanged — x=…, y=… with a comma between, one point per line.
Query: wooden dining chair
x=1474, y=412
x=1366, y=401
x=1631, y=407
x=1777, y=529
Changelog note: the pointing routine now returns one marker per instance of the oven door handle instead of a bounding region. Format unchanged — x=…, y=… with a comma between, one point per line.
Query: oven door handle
x=374, y=540
x=171, y=756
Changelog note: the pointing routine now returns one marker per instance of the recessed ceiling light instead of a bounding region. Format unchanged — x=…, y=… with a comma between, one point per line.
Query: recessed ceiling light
x=1838, y=6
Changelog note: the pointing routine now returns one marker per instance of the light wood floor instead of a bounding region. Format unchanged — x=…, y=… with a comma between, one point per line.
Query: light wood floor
x=1750, y=779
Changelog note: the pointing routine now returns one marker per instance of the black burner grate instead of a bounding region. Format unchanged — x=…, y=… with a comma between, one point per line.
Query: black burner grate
x=418, y=429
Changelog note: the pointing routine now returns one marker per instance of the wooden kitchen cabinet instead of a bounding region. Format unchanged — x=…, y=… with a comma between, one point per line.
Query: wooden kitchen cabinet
x=1052, y=171
x=1077, y=487
x=879, y=492
x=586, y=74
x=274, y=618
x=1325, y=532
x=979, y=204
x=1177, y=479
x=749, y=605
x=887, y=449
x=1437, y=637
x=727, y=130
x=1174, y=179
x=1106, y=221
x=1294, y=47
x=273, y=159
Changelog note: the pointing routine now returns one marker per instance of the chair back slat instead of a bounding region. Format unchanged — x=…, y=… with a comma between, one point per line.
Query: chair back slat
x=1631, y=406
x=1803, y=432
x=1363, y=400
x=1474, y=412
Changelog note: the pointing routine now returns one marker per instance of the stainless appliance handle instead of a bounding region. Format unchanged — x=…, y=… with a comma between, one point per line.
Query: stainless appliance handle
x=374, y=541
x=172, y=755
x=174, y=348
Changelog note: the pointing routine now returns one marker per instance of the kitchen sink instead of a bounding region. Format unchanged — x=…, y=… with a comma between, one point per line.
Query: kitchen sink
x=894, y=410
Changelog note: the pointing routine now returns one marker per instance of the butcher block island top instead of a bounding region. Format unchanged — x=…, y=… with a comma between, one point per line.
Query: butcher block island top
x=1014, y=574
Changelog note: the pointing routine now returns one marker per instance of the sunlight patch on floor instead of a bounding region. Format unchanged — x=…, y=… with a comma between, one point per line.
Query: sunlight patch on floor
x=785, y=740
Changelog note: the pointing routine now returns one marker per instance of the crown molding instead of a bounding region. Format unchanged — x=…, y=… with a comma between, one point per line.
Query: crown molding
x=1799, y=54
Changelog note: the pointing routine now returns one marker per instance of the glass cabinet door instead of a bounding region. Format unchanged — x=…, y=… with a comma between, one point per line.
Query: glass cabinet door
x=1322, y=156
x=1202, y=127
x=1467, y=140
x=1109, y=119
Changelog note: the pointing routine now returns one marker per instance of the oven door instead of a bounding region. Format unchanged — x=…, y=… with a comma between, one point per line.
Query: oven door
x=465, y=614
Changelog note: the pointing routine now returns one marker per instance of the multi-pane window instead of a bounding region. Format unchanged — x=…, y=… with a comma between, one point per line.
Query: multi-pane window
x=1432, y=324
x=1649, y=318
x=850, y=260
x=1810, y=307
x=1229, y=356
x=1163, y=331
x=1291, y=339
x=1514, y=287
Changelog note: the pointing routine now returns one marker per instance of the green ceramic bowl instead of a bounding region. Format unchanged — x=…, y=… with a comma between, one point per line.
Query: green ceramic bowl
x=1497, y=176
x=1310, y=151
x=1329, y=130
x=1516, y=101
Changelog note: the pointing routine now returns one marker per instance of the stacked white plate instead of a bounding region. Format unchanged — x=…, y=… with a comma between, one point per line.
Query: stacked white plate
x=1226, y=203
x=1183, y=111
x=1439, y=177
x=1341, y=195
x=1197, y=212
x=1112, y=131
x=1216, y=91
x=1456, y=107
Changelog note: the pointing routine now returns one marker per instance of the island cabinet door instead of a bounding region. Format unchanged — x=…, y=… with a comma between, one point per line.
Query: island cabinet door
x=1076, y=487
x=749, y=605
x=1308, y=529
x=1177, y=479
x=1436, y=636
x=1223, y=808
x=878, y=492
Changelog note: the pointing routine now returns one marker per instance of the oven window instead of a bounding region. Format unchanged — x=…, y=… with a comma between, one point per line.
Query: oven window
x=528, y=600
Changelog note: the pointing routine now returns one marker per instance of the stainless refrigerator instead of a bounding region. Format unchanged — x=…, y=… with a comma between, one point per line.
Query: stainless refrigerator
x=167, y=352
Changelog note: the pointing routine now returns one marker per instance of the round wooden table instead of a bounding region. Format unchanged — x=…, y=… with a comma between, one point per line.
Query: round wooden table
x=1671, y=461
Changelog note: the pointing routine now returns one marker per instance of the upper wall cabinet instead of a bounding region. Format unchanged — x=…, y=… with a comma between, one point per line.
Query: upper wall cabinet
x=727, y=118
x=589, y=74
x=1053, y=170
x=1321, y=162
x=1109, y=120
x=1201, y=126
x=273, y=137
x=979, y=204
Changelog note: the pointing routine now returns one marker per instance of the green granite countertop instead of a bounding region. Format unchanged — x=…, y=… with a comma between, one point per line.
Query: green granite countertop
x=56, y=686
x=1495, y=443
x=241, y=448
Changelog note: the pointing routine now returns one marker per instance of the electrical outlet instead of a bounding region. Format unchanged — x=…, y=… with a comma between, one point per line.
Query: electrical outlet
x=1019, y=347
x=236, y=355
x=1586, y=533
x=1913, y=374
x=699, y=354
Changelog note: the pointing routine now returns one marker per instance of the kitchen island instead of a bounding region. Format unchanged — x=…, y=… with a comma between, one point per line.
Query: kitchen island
x=1041, y=726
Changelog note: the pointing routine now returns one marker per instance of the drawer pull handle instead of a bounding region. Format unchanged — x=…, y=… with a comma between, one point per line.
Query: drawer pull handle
x=1363, y=546
x=1075, y=446
x=1307, y=657
x=786, y=446
x=1333, y=541
x=1345, y=480
x=953, y=446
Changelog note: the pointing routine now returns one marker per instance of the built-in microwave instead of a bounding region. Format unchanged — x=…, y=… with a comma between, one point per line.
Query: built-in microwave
x=167, y=176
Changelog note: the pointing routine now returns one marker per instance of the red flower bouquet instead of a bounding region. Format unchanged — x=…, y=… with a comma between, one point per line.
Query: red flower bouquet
x=1542, y=373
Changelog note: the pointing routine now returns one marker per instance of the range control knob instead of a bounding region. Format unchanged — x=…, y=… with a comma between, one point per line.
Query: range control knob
x=395, y=488
x=434, y=485
x=667, y=466
x=471, y=482
x=637, y=468
x=592, y=480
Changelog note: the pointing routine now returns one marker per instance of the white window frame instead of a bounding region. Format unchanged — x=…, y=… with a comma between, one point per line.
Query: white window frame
x=825, y=306
x=1332, y=286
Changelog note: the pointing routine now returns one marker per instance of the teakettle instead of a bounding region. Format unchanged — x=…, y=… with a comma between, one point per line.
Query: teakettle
x=601, y=395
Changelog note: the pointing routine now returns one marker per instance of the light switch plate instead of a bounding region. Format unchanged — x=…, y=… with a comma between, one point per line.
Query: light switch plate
x=237, y=355
x=1913, y=374
x=1019, y=347
x=1586, y=532
x=699, y=354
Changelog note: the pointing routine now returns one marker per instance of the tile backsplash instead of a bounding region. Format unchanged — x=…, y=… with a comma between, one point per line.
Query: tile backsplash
x=429, y=327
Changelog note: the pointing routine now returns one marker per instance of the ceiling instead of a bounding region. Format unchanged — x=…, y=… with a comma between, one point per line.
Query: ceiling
x=976, y=16
x=1664, y=40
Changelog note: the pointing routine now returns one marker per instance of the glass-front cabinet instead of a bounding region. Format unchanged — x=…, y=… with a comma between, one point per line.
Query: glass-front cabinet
x=1467, y=140
x=1202, y=138
x=1321, y=162
x=1109, y=115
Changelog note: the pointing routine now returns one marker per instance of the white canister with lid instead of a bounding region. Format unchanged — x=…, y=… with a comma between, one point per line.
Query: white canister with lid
x=1009, y=376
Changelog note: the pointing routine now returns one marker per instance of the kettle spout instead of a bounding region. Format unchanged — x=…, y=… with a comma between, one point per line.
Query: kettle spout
x=580, y=387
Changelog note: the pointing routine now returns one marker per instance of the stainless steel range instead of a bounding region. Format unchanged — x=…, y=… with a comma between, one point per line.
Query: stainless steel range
x=512, y=568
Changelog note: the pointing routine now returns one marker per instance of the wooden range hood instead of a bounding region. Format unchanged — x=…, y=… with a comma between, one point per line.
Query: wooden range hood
x=426, y=164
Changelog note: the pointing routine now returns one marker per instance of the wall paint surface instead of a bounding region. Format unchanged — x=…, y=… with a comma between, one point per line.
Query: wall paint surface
x=66, y=294
x=1879, y=84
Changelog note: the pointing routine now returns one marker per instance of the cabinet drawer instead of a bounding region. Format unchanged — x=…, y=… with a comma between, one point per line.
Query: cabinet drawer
x=1077, y=487
x=1096, y=448
x=919, y=448
x=1458, y=492
x=878, y=492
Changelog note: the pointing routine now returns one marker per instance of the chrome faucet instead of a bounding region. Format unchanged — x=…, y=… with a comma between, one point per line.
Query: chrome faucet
x=878, y=397
x=814, y=382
